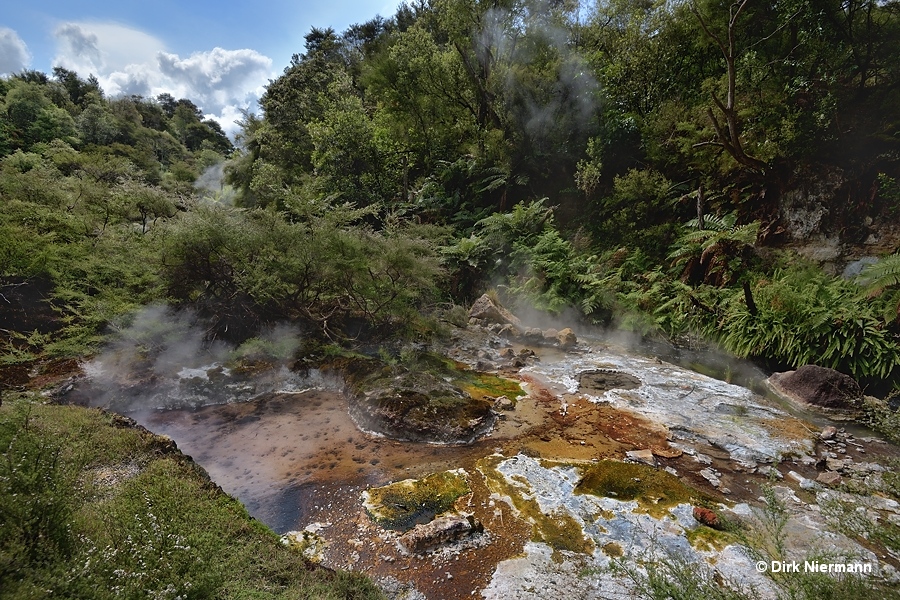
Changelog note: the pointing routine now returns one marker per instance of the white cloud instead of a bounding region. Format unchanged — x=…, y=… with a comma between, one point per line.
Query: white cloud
x=14, y=55
x=127, y=61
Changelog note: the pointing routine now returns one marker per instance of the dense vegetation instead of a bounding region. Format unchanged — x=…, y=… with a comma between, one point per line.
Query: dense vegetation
x=639, y=162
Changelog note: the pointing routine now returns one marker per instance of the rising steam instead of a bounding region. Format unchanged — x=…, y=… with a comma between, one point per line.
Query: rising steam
x=165, y=359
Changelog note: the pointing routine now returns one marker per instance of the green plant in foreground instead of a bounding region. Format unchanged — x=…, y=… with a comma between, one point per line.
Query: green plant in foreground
x=671, y=576
x=151, y=527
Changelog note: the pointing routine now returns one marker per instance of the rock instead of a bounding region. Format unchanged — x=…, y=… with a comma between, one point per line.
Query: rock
x=711, y=477
x=550, y=334
x=504, y=403
x=828, y=433
x=419, y=406
x=707, y=517
x=440, y=531
x=533, y=334
x=485, y=309
x=644, y=456
x=820, y=388
x=829, y=478
x=805, y=483
x=507, y=353
x=566, y=338
x=509, y=331
x=666, y=452
x=834, y=464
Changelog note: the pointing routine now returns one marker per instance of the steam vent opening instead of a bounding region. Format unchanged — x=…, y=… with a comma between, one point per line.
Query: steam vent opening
x=603, y=380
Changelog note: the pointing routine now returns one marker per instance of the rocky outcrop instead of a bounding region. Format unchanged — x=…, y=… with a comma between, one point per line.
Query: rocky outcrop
x=423, y=403
x=487, y=310
x=423, y=408
x=442, y=530
x=819, y=388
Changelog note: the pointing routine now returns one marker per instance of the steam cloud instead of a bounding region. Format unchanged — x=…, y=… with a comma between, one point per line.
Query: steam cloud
x=163, y=359
x=544, y=114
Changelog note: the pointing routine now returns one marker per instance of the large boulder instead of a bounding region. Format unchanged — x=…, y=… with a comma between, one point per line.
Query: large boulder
x=423, y=403
x=820, y=388
x=487, y=310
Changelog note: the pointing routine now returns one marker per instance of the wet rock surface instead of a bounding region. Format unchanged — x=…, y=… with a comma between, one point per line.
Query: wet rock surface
x=600, y=381
x=551, y=499
x=421, y=408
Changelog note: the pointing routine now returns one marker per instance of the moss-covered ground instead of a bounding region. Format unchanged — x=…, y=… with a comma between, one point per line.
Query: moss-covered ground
x=655, y=491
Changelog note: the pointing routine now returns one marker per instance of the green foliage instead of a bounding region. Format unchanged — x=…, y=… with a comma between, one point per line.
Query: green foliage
x=806, y=317
x=98, y=512
x=882, y=277
x=35, y=497
x=250, y=267
x=638, y=213
x=718, y=253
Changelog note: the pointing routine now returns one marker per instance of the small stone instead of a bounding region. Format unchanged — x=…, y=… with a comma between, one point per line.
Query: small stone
x=829, y=478
x=703, y=459
x=668, y=452
x=437, y=532
x=644, y=456
x=710, y=476
x=504, y=403
x=828, y=433
x=707, y=517
x=834, y=464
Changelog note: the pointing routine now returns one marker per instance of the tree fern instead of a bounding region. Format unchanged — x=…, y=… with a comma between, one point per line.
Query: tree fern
x=884, y=274
x=880, y=277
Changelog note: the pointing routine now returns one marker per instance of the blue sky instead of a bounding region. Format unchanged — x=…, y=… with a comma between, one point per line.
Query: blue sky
x=219, y=54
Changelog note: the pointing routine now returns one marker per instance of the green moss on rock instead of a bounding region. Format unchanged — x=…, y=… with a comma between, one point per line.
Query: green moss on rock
x=405, y=504
x=655, y=491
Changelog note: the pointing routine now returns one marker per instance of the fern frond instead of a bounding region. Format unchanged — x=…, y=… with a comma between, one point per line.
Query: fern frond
x=881, y=275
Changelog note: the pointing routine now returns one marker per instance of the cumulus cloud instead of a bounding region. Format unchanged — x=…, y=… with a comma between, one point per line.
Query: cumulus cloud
x=14, y=55
x=127, y=61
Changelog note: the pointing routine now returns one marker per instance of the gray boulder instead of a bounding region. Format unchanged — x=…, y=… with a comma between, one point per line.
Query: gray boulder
x=819, y=388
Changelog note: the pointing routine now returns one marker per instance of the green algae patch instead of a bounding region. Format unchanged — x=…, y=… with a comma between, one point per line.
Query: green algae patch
x=655, y=491
x=405, y=504
x=707, y=539
x=487, y=385
x=559, y=530
x=613, y=550
x=477, y=384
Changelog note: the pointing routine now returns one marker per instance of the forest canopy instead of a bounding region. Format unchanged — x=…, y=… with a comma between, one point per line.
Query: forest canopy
x=653, y=165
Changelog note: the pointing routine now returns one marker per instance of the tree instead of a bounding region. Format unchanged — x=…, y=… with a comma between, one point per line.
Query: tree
x=728, y=135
